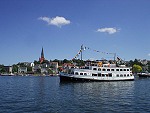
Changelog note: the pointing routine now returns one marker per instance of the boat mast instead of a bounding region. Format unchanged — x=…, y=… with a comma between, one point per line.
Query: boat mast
x=114, y=56
x=81, y=50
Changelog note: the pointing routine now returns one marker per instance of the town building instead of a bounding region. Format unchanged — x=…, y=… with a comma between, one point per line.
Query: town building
x=8, y=69
x=54, y=66
x=22, y=69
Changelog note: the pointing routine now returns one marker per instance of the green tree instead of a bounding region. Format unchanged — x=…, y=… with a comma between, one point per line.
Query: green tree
x=66, y=61
x=137, y=62
x=36, y=62
x=14, y=68
x=50, y=71
x=45, y=61
x=21, y=64
x=136, y=68
x=29, y=69
x=38, y=71
x=2, y=70
x=79, y=62
x=148, y=66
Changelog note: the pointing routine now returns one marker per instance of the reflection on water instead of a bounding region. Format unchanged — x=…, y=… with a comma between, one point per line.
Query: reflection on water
x=104, y=96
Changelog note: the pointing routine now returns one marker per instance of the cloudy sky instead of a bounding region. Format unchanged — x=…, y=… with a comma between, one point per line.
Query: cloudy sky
x=62, y=26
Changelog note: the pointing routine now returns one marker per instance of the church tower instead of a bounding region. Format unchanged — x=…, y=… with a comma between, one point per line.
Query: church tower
x=42, y=56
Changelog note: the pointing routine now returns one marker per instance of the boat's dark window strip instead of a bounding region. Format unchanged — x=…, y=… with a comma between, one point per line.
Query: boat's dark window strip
x=94, y=68
x=108, y=69
x=81, y=73
x=117, y=69
x=99, y=69
x=104, y=69
x=110, y=74
x=112, y=70
x=99, y=74
x=103, y=75
x=94, y=74
x=87, y=68
x=121, y=75
x=85, y=73
x=76, y=73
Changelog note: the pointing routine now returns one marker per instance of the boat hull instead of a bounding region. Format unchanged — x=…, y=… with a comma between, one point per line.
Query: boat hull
x=72, y=78
x=144, y=75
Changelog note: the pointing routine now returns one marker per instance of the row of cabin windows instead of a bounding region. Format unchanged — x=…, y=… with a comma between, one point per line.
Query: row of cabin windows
x=121, y=75
x=102, y=75
x=110, y=69
x=76, y=73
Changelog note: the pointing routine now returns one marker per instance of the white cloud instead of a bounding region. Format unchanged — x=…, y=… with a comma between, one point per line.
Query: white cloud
x=149, y=54
x=57, y=21
x=108, y=30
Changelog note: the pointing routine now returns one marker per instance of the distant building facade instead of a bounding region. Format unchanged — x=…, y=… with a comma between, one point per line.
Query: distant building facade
x=8, y=69
x=54, y=65
x=22, y=70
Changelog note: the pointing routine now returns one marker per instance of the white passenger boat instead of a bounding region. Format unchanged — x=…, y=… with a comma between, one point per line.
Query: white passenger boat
x=97, y=73
x=100, y=71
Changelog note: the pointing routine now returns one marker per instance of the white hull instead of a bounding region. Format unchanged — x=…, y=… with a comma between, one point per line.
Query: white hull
x=71, y=77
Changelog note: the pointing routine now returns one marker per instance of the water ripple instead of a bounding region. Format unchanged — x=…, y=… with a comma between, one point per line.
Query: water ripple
x=47, y=94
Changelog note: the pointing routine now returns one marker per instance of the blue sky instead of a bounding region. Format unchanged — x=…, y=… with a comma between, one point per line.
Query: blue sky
x=62, y=26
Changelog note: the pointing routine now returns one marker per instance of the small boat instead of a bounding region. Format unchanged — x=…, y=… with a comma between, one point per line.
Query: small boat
x=144, y=74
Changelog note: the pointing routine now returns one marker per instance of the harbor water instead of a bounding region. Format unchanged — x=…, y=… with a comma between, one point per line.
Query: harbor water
x=38, y=94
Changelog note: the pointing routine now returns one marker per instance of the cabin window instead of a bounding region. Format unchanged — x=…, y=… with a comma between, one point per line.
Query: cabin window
x=99, y=74
x=124, y=75
x=127, y=69
x=94, y=68
x=106, y=75
x=86, y=67
x=124, y=69
x=81, y=73
x=120, y=69
x=103, y=75
x=130, y=74
x=76, y=73
x=117, y=75
x=112, y=70
x=127, y=74
x=110, y=74
x=117, y=69
x=104, y=69
x=108, y=69
x=94, y=74
x=85, y=73
x=121, y=75
x=99, y=69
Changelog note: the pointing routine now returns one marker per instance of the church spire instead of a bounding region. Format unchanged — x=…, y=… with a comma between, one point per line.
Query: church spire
x=42, y=56
x=42, y=53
